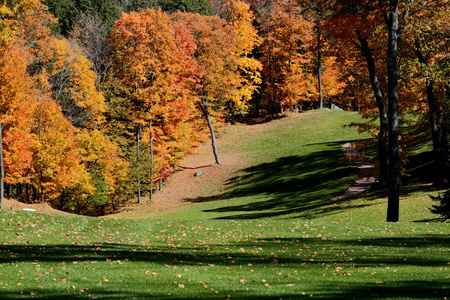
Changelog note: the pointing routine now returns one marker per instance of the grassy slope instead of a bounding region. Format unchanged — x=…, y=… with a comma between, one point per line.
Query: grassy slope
x=344, y=252
x=291, y=168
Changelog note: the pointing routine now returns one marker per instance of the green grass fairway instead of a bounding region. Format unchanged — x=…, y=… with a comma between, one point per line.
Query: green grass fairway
x=271, y=233
x=44, y=257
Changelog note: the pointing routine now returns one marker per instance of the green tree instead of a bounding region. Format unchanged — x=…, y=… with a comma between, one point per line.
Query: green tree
x=67, y=11
x=193, y=6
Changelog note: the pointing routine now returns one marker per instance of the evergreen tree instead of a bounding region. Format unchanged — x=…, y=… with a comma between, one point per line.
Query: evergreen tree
x=67, y=11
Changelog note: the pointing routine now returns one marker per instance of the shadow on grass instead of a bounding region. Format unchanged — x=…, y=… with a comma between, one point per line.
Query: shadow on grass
x=291, y=184
x=332, y=257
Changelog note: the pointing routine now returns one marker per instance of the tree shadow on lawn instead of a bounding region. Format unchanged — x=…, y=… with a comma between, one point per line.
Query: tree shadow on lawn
x=356, y=252
x=347, y=256
x=292, y=184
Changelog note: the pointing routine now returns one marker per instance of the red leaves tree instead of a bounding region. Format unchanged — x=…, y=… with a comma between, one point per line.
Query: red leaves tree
x=360, y=22
x=216, y=54
x=153, y=61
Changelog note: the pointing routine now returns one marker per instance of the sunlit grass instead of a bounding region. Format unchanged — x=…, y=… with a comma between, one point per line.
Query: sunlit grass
x=293, y=168
x=85, y=258
x=279, y=236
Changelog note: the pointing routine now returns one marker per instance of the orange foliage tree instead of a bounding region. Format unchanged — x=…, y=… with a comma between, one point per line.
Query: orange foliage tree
x=74, y=85
x=427, y=58
x=16, y=106
x=366, y=23
x=286, y=35
x=333, y=83
x=152, y=61
x=55, y=151
x=216, y=53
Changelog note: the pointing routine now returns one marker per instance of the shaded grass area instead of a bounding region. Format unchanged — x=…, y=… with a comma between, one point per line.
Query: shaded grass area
x=371, y=206
x=415, y=190
x=294, y=169
x=289, y=185
x=83, y=258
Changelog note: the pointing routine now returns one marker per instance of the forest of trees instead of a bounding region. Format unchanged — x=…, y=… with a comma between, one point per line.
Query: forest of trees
x=99, y=100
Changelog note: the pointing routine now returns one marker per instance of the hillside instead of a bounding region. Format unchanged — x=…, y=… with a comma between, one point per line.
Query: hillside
x=264, y=225
x=287, y=168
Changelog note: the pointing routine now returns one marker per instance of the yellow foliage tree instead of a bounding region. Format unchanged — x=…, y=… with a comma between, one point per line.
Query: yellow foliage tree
x=74, y=85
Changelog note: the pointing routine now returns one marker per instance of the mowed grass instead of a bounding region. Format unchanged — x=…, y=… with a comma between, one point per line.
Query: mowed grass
x=291, y=168
x=43, y=257
x=277, y=236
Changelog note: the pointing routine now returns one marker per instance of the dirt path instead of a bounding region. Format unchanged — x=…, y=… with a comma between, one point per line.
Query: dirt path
x=364, y=180
x=212, y=181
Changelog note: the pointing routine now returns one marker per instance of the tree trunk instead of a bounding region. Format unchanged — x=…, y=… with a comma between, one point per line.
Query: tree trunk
x=382, y=136
x=138, y=158
x=438, y=131
x=394, y=157
x=41, y=183
x=151, y=161
x=205, y=109
x=436, y=124
x=319, y=65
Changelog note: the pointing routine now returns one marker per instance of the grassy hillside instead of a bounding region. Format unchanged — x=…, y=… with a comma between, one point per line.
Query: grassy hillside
x=292, y=169
x=270, y=233
x=289, y=167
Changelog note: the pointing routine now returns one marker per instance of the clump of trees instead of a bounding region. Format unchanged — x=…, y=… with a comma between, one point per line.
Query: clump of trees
x=100, y=100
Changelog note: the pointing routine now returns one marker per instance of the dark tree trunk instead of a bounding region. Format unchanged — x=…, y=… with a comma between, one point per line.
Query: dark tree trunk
x=438, y=131
x=382, y=136
x=151, y=160
x=439, y=136
x=41, y=184
x=394, y=157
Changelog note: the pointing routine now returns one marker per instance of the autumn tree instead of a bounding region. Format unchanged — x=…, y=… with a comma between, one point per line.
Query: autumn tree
x=216, y=53
x=55, y=151
x=286, y=35
x=332, y=78
x=74, y=85
x=367, y=19
x=356, y=29
x=153, y=66
x=12, y=14
x=239, y=15
x=98, y=187
x=16, y=107
x=426, y=54
x=90, y=32
x=22, y=33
